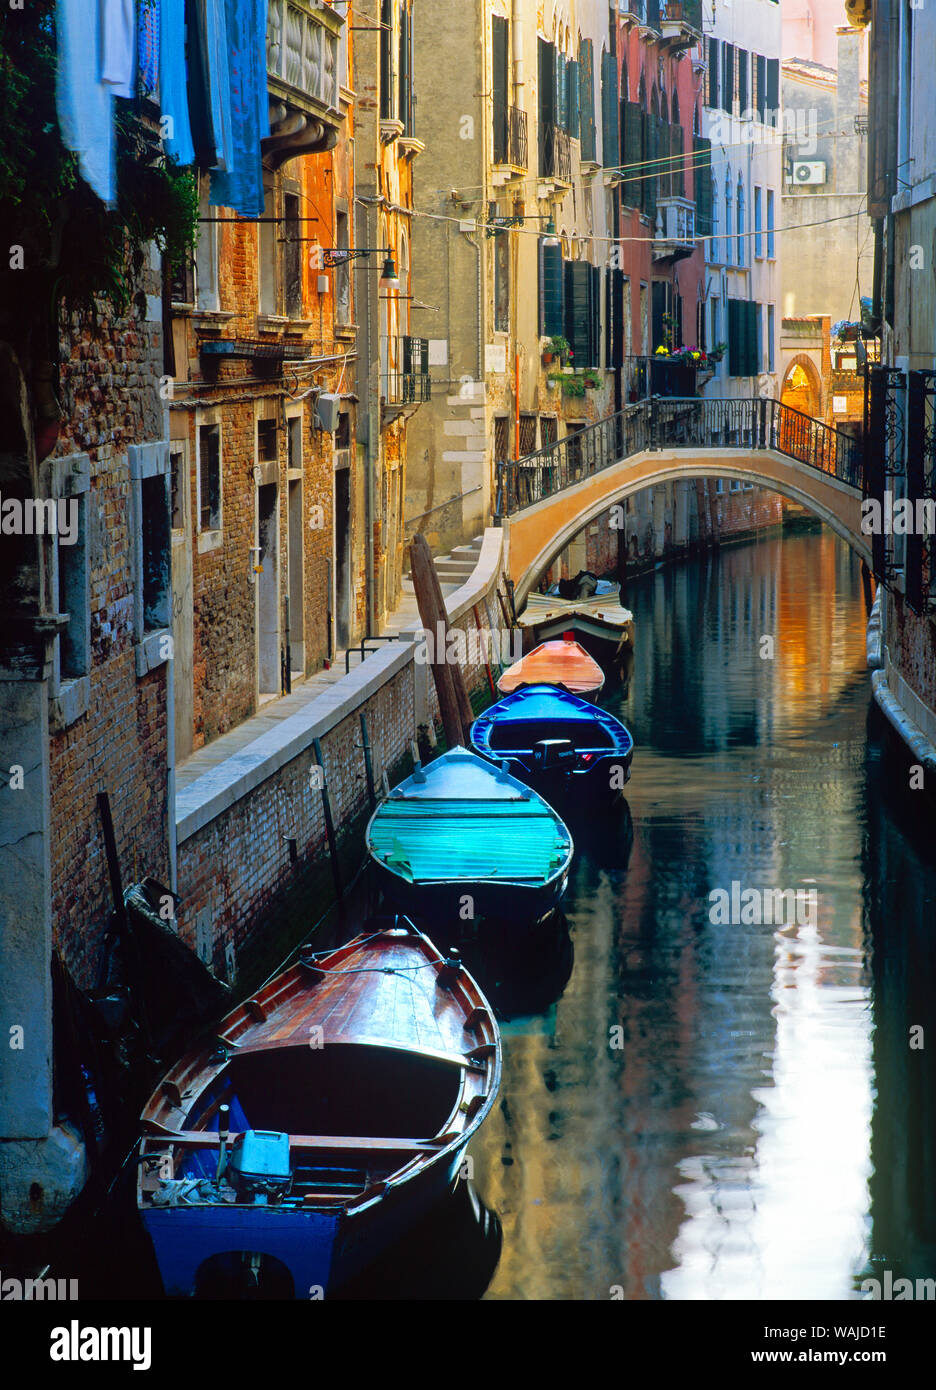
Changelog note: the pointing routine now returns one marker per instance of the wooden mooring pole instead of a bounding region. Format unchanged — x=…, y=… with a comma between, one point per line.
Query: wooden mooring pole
x=454, y=705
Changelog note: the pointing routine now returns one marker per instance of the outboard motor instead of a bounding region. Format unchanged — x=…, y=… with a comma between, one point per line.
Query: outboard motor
x=552, y=753
x=258, y=1168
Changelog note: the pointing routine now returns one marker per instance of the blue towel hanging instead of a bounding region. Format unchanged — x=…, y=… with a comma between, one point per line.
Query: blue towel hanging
x=240, y=185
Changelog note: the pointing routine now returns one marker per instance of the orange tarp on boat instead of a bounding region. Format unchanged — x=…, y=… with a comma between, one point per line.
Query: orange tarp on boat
x=562, y=663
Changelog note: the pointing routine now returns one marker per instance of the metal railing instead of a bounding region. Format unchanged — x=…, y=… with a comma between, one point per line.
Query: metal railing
x=555, y=153
x=687, y=11
x=690, y=422
x=404, y=380
x=510, y=136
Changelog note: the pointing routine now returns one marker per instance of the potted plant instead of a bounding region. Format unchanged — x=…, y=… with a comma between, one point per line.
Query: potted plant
x=718, y=352
x=556, y=346
x=592, y=380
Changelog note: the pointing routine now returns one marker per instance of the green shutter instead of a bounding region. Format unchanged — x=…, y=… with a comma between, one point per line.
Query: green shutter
x=773, y=89
x=587, y=98
x=614, y=330
x=562, y=92
x=595, y=357
x=753, y=363
x=575, y=97
x=712, y=93
x=734, y=338
x=500, y=64
x=610, y=144
x=677, y=162
x=702, y=180
x=551, y=291
x=633, y=154
x=578, y=311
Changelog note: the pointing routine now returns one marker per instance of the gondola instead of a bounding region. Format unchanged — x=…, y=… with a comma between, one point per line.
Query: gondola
x=461, y=839
x=330, y=1112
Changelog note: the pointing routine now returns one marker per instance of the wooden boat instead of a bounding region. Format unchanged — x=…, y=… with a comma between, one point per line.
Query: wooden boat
x=459, y=833
x=564, y=663
x=599, y=623
x=353, y=1082
x=544, y=733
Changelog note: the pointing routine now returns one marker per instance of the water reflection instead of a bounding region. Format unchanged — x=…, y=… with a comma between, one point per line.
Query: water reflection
x=693, y=1120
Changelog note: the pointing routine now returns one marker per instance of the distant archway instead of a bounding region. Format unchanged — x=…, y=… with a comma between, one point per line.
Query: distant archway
x=802, y=387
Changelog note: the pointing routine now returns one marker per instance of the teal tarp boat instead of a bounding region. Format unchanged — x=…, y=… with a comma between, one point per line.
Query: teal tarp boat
x=462, y=828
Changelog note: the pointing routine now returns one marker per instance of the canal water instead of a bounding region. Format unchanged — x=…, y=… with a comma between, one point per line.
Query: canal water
x=690, y=1108
x=733, y=1111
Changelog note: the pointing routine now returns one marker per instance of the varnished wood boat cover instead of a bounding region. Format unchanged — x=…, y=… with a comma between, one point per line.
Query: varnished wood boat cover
x=545, y=607
x=564, y=663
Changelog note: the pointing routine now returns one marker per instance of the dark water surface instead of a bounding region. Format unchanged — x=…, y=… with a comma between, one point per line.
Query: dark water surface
x=762, y=1128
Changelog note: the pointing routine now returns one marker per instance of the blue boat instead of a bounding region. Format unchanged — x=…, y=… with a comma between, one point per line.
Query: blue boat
x=462, y=839
x=547, y=735
x=328, y=1115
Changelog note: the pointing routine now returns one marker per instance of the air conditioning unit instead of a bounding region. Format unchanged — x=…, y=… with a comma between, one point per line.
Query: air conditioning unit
x=807, y=172
x=326, y=412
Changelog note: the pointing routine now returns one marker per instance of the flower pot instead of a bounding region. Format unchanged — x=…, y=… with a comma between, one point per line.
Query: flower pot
x=547, y=358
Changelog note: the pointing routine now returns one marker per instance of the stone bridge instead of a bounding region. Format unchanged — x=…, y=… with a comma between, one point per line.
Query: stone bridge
x=545, y=499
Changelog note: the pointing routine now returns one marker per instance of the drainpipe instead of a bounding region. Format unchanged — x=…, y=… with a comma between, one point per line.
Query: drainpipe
x=367, y=413
x=516, y=25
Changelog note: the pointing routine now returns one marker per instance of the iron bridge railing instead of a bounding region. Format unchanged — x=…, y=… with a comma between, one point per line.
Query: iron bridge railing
x=754, y=423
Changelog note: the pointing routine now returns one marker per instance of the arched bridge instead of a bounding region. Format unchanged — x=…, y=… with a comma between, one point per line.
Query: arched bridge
x=545, y=499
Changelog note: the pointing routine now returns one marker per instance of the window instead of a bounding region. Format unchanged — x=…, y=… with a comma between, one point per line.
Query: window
x=728, y=211
x=742, y=70
x=740, y=221
x=743, y=357
x=405, y=76
x=549, y=430
x=712, y=84
x=586, y=76
x=728, y=73
x=583, y=312
x=151, y=552
x=342, y=272
x=773, y=91
x=209, y=477
x=501, y=438
x=771, y=331
x=155, y=548
x=758, y=222
x=760, y=87
x=527, y=435
x=266, y=251
x=704, y=186
x=551, y=286
x=771, y=250
x=502, y=282
x=386, y=59
x=178, y=482
x=501, y=74
x=716, y=323
x=292, y=249
x=611, y=147
x=206, y=254
x=73, y=596
x=266, y=441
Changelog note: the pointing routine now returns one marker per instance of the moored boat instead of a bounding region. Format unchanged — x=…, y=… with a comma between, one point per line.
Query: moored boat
x=460, y=839
x=563, y=663
x=599, y=622
x=544, y=733
x=330, y=1112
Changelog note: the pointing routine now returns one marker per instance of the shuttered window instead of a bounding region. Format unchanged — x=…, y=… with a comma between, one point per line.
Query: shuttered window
x=743, y=61
x=773, y=90
x=586, y=75
x=727, y=95
x=614, y=315
x=574, y=125
x=610, y=144
x=632, y=153
x=500, y=93
x=702, y=175
x=677, y=150
x=711, y=81
x=562, y=91
x=547, y=83
x=551, y=314
x=743, y=357
x=760, y=93
x=582, y=313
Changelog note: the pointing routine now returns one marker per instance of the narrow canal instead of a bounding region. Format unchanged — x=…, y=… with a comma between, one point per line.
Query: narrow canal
x=733, y=1111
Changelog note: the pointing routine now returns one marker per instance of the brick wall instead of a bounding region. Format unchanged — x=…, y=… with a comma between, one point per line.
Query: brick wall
x=109, y=373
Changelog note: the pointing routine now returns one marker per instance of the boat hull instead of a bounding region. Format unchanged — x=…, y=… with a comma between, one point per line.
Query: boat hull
x=321, y=1250
x=458, y=901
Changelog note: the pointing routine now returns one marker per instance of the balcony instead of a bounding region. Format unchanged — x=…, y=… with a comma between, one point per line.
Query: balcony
x=404, y=376
x=675, y=233
x=510, y=139
x=302, y=79
x=555, y=154
x=660, y=376
x=680, y=23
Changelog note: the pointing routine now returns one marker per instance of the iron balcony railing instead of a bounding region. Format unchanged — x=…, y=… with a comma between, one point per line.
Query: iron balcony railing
x=555, y=153
x=689, y=422
x=405, y=371
x=510, y=136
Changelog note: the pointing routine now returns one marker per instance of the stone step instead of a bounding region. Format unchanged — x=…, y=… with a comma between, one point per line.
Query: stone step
x=454, y=569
